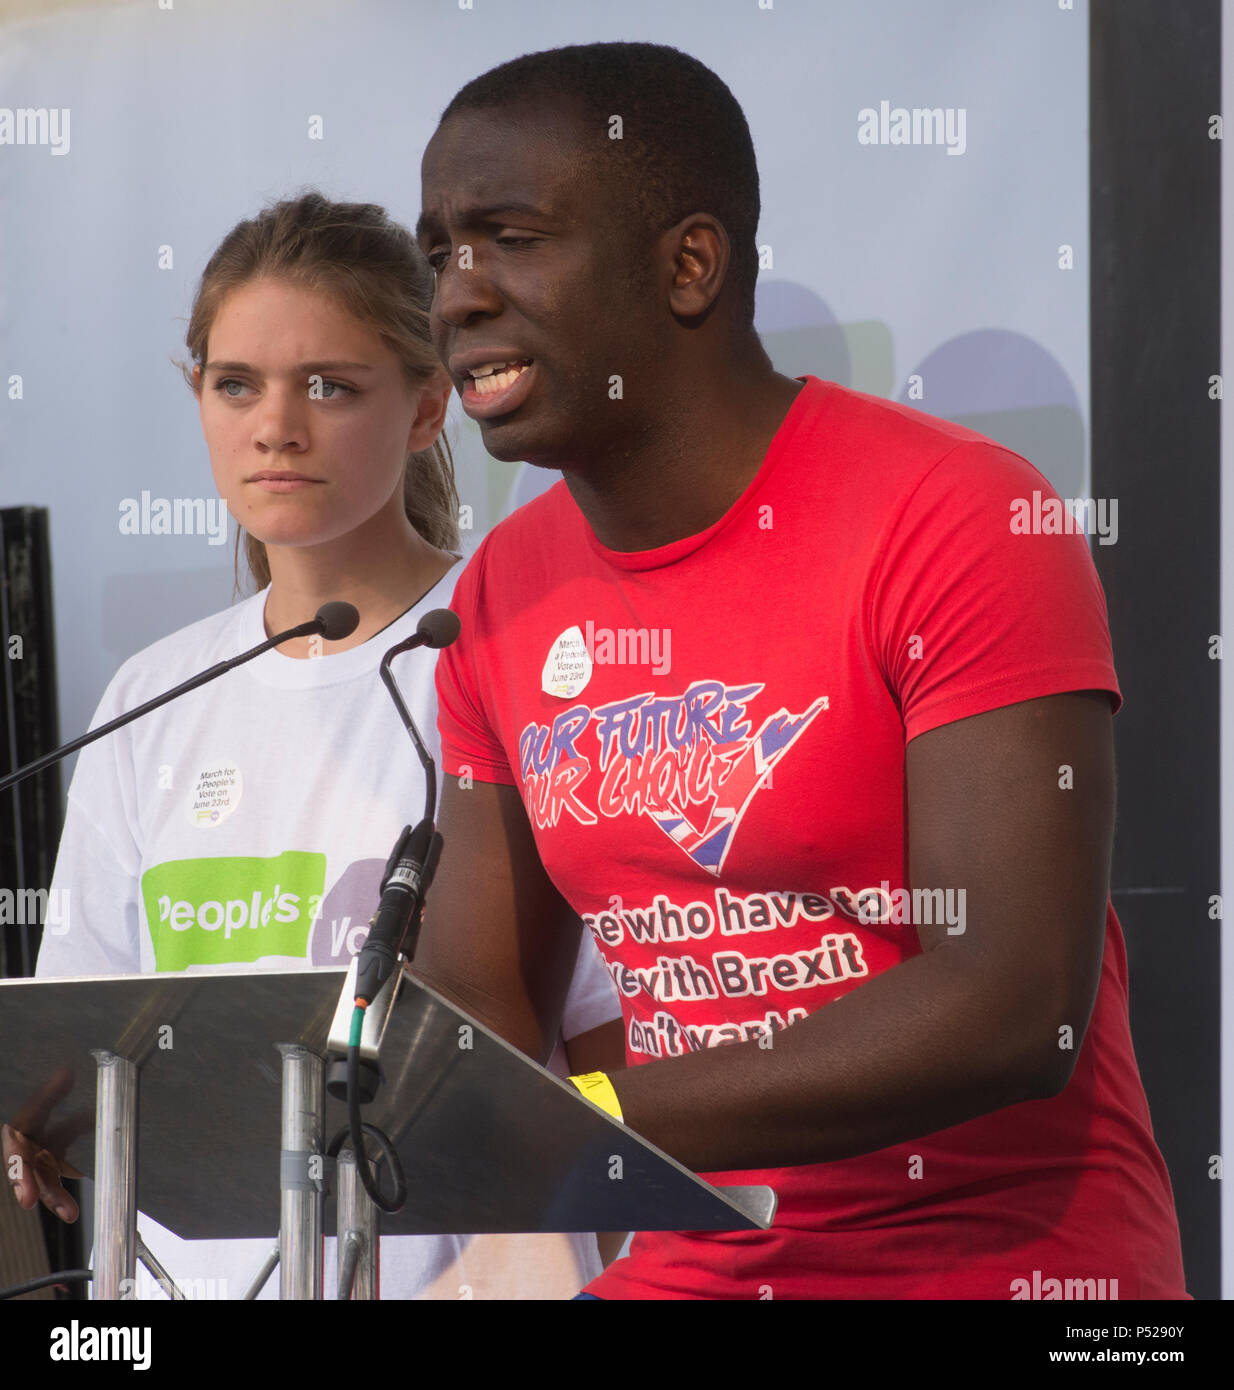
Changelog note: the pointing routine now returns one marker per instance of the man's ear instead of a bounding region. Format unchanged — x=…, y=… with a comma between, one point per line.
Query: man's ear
x=697, y=253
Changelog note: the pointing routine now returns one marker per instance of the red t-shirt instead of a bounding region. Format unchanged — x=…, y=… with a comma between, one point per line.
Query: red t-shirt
x=710, y=741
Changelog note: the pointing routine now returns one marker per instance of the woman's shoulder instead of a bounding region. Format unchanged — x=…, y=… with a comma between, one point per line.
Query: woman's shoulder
x=185, y=652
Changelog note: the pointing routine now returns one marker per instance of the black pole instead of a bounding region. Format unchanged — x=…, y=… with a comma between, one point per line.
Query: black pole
x=1155, y=188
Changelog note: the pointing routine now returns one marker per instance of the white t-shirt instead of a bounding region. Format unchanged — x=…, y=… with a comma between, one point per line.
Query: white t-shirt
x=245, y=825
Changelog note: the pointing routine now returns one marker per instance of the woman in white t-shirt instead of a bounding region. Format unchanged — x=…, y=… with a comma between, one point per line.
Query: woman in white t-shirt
x=245, y=825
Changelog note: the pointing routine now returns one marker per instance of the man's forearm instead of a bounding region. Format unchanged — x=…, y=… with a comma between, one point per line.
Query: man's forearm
x=521, y=1029
x=922, y=1046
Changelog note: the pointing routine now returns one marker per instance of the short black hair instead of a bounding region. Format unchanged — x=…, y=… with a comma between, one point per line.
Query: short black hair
x=685, y=144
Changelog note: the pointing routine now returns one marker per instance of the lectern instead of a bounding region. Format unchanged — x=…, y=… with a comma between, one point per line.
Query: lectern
x=201, y=1098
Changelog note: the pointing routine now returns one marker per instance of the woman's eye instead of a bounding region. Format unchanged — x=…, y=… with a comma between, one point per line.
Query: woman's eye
x=436, y=259
x=328, y=390
x=319, y=388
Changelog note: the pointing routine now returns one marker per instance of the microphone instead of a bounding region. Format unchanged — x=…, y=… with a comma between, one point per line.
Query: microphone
x=333, y=621
x=409, y=871
x=436, y=629
x=440, y=627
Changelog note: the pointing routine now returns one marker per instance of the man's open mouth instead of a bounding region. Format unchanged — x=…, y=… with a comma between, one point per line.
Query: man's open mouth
x=491, y=377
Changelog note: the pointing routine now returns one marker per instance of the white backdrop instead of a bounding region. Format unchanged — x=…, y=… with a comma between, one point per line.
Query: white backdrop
x=888, y=260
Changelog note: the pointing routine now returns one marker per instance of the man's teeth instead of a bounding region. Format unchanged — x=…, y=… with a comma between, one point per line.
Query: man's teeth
x=488, y=379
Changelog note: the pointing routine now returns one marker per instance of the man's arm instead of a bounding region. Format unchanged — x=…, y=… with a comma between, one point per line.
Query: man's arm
x=970, y=1025
x=498, y=939
x=973, y=1023
x=598, y=1049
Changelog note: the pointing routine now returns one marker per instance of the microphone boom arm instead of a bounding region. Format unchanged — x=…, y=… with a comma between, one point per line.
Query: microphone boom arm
x=316, y=625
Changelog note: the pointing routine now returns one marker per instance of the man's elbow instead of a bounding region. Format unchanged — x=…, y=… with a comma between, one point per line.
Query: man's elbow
x=1047, y=1068
x=1038, y=1013
x=1052, y=1081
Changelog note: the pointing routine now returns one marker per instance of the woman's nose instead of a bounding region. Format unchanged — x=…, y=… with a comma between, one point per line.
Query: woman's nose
x=282, y=423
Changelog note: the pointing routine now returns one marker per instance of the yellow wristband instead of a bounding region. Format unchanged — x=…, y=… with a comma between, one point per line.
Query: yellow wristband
x=598, y=1089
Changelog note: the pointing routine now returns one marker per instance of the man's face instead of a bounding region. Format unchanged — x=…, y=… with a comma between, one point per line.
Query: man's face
x=529, y=271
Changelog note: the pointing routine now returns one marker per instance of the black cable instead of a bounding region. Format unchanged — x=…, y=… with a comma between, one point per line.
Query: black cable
x=66, y=1276
x=357, y=1128
x=387, y=1153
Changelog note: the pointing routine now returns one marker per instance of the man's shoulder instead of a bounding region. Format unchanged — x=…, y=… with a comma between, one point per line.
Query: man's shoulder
x=520, y=545
x=898, y=425
x=897, y=445
x=542, y=516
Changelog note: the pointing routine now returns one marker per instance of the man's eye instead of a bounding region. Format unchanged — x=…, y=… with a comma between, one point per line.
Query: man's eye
x=438, y=259
x=224, y=382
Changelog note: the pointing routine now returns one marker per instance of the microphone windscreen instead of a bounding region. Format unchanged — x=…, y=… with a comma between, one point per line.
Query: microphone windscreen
x=338, y=620
x=439, y=628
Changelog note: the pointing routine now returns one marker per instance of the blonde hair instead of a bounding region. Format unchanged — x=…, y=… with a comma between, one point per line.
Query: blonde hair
x=373, y=267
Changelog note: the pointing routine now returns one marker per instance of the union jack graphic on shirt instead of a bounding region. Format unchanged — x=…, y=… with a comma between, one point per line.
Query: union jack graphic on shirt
x=692, y=763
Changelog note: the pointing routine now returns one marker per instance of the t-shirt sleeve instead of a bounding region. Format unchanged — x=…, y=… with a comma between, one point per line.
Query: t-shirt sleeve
x=970, y=609
x=93, y=924
x=468, y=742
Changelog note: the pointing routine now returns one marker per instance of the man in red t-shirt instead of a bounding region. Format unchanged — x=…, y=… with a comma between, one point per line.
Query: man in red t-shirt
x=775, y=692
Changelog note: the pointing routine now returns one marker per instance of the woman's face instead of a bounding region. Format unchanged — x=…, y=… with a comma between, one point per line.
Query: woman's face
x=307, y=415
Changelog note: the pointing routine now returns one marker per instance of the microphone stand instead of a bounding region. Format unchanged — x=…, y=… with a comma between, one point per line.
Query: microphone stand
x=371, y=986
x=334, y=624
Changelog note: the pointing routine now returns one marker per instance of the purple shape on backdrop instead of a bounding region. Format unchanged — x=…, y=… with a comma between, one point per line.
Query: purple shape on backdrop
x=342, y=924
x=800, y=333
x=784, y=304
x=529, y=483
x=988, y=370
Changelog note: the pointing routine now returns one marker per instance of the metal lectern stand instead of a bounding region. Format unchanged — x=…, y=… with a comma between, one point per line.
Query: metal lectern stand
x=230, y=1064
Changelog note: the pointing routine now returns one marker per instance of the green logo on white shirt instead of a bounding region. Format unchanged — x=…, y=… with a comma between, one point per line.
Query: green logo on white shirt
x=228, y=911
